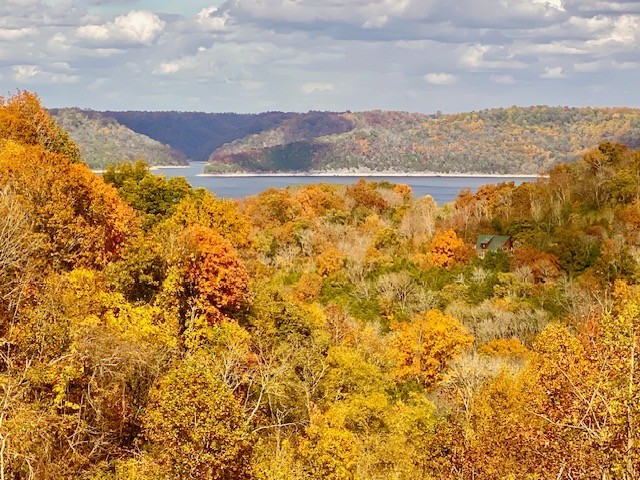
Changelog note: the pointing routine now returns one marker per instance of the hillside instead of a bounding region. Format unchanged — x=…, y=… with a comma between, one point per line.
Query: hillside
x=504, y=140
x=511, y=140
x=102, y=140
x=197, y=134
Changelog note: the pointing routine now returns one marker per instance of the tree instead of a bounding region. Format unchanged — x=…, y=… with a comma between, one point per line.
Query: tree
x=78, y=220
x=577, y=413
x=24, y=120
x=153, y=195
x=205, y=277
x=446, y=250
x=196, y=427
x=424, y=347
x=222, y=215
x=545, y=267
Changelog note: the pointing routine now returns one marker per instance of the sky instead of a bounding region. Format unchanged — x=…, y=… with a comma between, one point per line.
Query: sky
x=299, y=55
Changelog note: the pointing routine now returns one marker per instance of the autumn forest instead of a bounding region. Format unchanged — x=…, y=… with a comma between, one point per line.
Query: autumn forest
x=152, y=331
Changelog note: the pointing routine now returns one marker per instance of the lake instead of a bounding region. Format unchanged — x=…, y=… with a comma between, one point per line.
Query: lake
x=442, y=189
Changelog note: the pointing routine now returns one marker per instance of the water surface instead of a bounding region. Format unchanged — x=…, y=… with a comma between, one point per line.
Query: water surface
x=442, y=189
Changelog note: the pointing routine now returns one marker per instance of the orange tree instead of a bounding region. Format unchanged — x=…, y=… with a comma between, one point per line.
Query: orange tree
x=447, y=249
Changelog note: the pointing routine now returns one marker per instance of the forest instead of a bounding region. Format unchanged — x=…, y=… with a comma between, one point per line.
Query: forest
x=523, y=140
x=102, y=140
x=515, y=140
x=152, y=331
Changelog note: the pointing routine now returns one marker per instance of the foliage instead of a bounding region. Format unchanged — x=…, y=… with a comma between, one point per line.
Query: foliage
x=23, y=120
x=152, y=331
x=152, y=195
x=502, y=140
x=103, y=141
x=78, y=219
x=196, y=426
x=424, y=347
x=446, y=250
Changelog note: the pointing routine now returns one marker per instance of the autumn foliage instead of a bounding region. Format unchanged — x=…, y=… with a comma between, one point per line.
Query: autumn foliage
x=149, y=330
x=447, y=249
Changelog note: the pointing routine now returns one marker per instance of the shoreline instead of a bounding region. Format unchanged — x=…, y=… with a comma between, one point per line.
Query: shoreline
x=151, y=168
x=157, y=167
x=371, y=174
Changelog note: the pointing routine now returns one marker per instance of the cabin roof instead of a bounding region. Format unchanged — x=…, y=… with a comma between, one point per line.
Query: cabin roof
x=492, y=242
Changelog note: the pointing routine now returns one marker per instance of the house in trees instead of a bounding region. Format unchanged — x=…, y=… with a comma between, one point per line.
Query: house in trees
x=493, y=243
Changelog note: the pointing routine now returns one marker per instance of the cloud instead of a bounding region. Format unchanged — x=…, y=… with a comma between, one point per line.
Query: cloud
x=312, y=87
x=589, y=67
x=136, y=27
x=27, y=74
x=212, y=20
x=486, y=57
x=554, y=72
x=441, y=78
x=12, y=34
x=250, y=55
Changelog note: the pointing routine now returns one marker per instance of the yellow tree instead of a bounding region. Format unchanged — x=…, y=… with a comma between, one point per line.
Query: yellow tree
x=222, y=215
x=424, y=347
x=574, y=411
x=196, y=427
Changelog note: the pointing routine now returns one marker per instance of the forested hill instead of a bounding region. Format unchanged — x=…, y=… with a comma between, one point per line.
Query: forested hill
x=197, y=134
x=504, y=140
x=511, y=140
x=102, y=140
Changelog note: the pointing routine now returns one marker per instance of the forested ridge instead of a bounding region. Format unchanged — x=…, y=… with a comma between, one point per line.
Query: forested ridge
x=149, y=330
x=102, y=140
x=504, y=140
x=511, y=140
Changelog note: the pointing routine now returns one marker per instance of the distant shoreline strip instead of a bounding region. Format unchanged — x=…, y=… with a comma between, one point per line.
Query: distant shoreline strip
x=370, y=174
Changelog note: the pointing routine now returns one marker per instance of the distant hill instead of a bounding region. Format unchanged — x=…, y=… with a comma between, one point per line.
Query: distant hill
x=197, y=134
x=504, y=140
x=102, y=140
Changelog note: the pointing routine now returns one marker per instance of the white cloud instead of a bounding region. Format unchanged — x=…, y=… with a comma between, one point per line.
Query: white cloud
x=474, y=58
x=212, y=20
x=25, y=72
x=551, y=3
x=168, y=68
x=554, y=72
x=33, y=74
x=58, y=43
x=441, y=78
x=10, y=34
x=136, y=27
x=312, y=87
x=626, y=30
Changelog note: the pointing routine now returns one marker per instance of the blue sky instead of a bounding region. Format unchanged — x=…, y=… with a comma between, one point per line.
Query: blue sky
x=299, y=55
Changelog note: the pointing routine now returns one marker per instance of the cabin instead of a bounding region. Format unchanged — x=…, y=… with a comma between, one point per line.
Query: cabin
x=493, y=243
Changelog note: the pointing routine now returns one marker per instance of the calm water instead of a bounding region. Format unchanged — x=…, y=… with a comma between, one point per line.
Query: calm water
x=442, y=189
